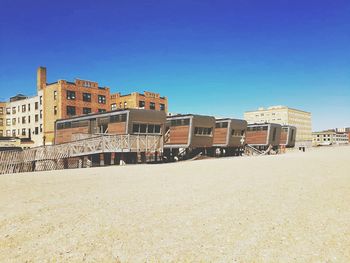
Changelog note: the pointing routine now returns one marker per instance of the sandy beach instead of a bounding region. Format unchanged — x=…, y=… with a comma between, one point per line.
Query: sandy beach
x=293, y=207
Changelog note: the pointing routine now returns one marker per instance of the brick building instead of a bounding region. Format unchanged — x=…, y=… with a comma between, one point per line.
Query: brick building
x=32, y=119
x=63, y=99
x=147, y=100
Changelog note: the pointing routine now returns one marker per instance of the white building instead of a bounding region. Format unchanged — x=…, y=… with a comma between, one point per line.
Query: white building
x=24, y=118
x=329, y=138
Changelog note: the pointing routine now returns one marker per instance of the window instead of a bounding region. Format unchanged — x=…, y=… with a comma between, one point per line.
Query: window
x=180, y=122
x=1, y=122
x=71, y=111
x=41, y=100
x=156, y=128
x=143, y=128
x=114, y=106
x=202, y=131
x=23, y=132
x=13, y=133
x=23, y=108
x=221, y=125
x=8, y=111
x=28, y=119
x=28, y=107
x=55, y=110
x=41, y=114
x=8, y=133
x=14, y=121
x=36, y=117
x=41, y=128
x=36, y=130
x=118, y=118
x=8, y=121
x=23, y=120
x=86, y=84
x=65, y=125
x=152, y=105
x=70, y=95
x=86, y=110
x=125, y=104
x=101, y=110
x=55, y=95
x=102, y=99
x=87, y=97
x=77, y=124
x=36, y=105
x=141, y=104
x=13, y=110
x=146, y=128
x=1, y=110
x=1, y=133
x=162, y=106
x=150, y=128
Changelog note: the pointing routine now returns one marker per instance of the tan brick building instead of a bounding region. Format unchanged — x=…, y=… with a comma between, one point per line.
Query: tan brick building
x=285, y=116
x=63, y=99
x=147, y=100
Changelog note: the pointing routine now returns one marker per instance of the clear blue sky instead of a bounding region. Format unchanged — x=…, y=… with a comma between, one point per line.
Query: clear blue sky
x=210, y=57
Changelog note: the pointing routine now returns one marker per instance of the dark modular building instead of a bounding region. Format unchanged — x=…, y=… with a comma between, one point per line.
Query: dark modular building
x=229, y=136
x=130, y=121
x=262, y=135
x=187, y=135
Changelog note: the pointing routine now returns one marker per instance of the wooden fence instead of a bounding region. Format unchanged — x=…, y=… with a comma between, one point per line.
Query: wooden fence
x=55, y=157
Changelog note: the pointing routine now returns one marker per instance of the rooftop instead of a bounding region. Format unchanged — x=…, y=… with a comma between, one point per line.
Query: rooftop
x=277, y=108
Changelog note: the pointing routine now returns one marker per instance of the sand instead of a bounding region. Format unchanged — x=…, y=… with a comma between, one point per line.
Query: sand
x=288, y=208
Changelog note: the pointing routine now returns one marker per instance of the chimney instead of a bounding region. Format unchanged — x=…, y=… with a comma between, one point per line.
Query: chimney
x=41, y=78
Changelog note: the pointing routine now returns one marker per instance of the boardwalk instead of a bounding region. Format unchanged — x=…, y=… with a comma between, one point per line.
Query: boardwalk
x=53, y=157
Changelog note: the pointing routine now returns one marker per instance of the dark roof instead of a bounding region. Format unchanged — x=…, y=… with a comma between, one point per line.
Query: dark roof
x=18, y=97
x=103, y=113
x=187, y=115
x=263, y=123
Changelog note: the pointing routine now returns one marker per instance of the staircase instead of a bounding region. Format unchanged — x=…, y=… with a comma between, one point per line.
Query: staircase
x=251, y=150
x=167, y=136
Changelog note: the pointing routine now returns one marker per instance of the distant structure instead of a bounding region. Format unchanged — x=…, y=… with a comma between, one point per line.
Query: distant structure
x=347, y=130
x=329, y=137
x=147, y=100
x=285, y=116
